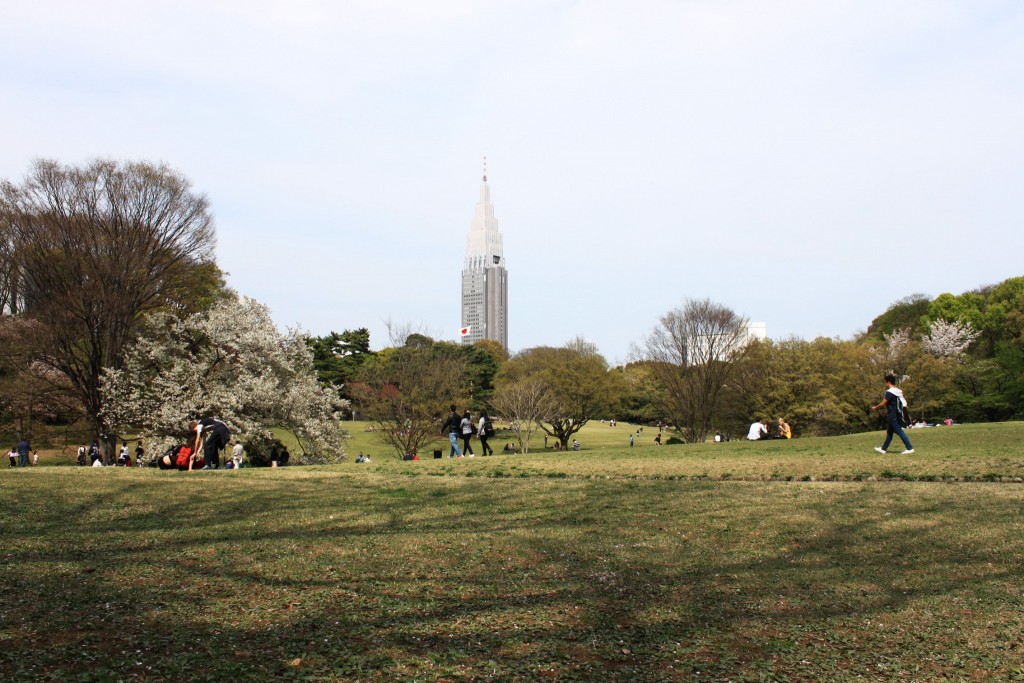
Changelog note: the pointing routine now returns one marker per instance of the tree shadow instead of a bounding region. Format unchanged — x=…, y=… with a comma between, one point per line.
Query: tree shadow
x=477, y=579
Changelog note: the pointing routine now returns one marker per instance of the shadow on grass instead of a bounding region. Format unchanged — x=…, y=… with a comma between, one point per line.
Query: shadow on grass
x=329, y=578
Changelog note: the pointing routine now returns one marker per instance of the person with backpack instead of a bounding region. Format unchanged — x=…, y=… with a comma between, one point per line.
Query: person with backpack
x=895, y=405
x=468, y=430
x=486, y=431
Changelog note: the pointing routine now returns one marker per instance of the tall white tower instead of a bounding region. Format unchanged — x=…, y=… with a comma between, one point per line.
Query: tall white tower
x=484, y=278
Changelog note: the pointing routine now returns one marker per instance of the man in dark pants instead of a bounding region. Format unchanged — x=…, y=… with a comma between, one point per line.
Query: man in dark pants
x=23, y=451
x=892, y=404
x=214, y=436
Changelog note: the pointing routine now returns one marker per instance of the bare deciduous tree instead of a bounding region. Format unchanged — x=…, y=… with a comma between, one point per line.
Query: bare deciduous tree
x=693, y=352
x=526, y=404
x=97, y=247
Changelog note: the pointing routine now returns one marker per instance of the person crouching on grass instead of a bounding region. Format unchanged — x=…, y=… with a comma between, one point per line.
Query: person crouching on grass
x=891, y=402
x=214, y=435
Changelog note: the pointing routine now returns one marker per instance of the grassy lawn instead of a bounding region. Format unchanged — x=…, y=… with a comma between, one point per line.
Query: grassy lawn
x=706, y=562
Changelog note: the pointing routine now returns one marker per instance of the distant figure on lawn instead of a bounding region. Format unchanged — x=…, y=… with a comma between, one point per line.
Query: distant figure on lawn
x=181, y=458
x=467, y=428
x=453, y=427
x=893, y=401
x=13, y=455
x=575, y=445
x=23, y=451
x=758, y=430
x=237, y=454
x=657, y=439
x=81, y=455
x=123, y=459
x=485, y=430
x=785, y=431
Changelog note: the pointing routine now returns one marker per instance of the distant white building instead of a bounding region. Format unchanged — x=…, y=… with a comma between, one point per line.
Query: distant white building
x=756, y=332
x=702, y=347
x=484, y=278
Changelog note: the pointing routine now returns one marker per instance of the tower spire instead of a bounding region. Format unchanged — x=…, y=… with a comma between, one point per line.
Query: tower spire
x=485, y=168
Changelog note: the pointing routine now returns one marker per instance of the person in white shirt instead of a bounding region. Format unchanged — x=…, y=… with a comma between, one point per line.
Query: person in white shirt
x=237, y=453
x=758, y=431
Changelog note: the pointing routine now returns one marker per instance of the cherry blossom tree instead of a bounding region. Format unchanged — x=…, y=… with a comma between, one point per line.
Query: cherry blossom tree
x=230, y=362
x=895, y=355
x=948, y=339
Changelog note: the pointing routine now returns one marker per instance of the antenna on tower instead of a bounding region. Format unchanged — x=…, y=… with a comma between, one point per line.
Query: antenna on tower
x=485, y=168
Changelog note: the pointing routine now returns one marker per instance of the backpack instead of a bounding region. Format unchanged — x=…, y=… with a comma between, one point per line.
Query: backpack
x=904, y=411
x=488, y=428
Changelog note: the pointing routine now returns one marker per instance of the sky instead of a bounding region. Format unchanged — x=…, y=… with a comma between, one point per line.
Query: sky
x=804, y=163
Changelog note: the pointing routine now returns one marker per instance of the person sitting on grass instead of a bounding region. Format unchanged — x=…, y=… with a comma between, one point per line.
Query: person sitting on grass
x=758, y=430
x=182, y=457
x=785, y=431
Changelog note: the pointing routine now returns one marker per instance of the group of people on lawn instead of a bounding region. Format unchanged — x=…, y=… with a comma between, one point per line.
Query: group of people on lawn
x=896, y=417
x=18, y=455
x=759, y=431
x=464, y=427
x=201, y=451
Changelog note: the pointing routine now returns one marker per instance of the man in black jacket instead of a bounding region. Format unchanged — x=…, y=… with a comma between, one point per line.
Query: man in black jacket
x=214, y=435
x=453, y=426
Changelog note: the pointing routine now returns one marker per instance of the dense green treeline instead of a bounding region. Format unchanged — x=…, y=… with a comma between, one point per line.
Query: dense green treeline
x=957, y=356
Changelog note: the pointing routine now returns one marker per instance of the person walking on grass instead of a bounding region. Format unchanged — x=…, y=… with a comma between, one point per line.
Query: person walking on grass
x=468, y=429
x=452, y=427
x=893, y=402
x=485, y=430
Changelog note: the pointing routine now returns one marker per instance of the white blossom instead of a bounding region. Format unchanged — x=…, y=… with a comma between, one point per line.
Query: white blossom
x=228, y=362
x=948, y=338
x=892, y=358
